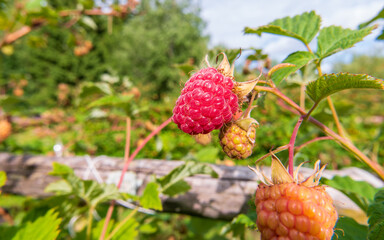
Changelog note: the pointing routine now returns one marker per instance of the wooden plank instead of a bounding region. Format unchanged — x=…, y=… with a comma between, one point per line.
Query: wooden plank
x=219, y=198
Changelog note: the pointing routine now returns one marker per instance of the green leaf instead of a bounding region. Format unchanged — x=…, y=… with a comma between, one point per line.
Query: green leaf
x=204, y=228
x=378, y=16
x=185, y=68
x=377, y=232
x=3, y=178
x=99, y=193
x=299, y=59
x=376, y=216
x=303, y=27
x=188, y=169
x=207, y=154
x=381, y=36
x=257, y=55
x=111, y=100
x=232, y=54
x=128, y=231
x=238, y=226
x=350, y=230
x=360, y=192
x=178, y=187
x=304, y=76
x=88, y=21
x=7, y=232
x=215, y=54
x=60, y=169
x=61, y=187
x=13, y=201
x=333, y=39
x=89, y=89
x=332, y=83
x=43, y=228
x=11, y=104
x=33, y=5
x=90, y=191
x=150, y=197
x=97, y=230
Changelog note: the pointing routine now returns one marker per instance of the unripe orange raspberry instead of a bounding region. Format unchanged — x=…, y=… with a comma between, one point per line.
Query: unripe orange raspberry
x=5, y=129
x=289, y=209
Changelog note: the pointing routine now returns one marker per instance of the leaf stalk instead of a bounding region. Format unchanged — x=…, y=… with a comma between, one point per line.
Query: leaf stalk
x=342, y=141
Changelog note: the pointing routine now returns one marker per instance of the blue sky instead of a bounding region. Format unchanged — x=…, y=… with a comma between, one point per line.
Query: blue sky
x=226, y=20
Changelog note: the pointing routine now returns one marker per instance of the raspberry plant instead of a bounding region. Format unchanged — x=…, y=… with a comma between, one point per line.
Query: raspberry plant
x=272, y=218
x=288, y=207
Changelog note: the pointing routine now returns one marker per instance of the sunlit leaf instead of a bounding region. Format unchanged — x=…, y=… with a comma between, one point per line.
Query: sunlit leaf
x=177, y=188
x=306, y=74
x=89, y=22
x=303, y=27
x=348, y=229
x=333, y=39
x=97, y=230
x=3, y=178
x=332, y=83
x=60, y=169
x=380, y=15
x=43, y=228
x=150, y=197
x=111, y=100
x=188, y=169
x=61, y=186
x=128, y=231
x=362, y=193
x=12, y=201
x=90, y=191
x=207, y=154
x=33, y=5
x=101, y=192
x=299, y=59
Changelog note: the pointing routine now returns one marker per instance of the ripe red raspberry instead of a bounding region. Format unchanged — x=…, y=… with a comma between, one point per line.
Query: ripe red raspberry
x=289, y=209
x=206, y=102
x=238, y=138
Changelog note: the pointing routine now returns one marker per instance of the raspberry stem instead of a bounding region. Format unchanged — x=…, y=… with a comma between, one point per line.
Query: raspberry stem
x=250, y=107
x=329, y=100
x=137, y=150
x=285, y=147
x=344, y=142
x=292, y=145
x=127, y=160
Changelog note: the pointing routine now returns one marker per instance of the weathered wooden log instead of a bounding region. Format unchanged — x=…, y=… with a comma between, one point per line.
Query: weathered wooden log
x=220, y=198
